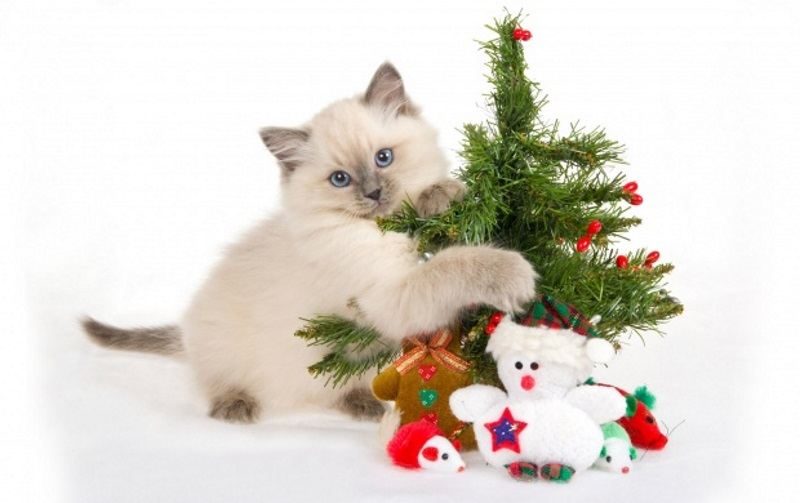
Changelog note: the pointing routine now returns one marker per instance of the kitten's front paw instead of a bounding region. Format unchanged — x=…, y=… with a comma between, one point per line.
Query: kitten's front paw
x=436, y=198
x=511, y=281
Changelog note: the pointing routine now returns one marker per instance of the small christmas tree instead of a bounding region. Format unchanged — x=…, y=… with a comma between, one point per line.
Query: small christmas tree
x=557, y=199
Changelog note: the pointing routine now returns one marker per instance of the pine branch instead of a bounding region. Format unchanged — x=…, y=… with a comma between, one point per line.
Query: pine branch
x=338, y=333
x=355, y=349
x=338, y=368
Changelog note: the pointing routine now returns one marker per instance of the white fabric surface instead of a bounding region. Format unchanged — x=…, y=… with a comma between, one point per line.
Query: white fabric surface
x=130, y=157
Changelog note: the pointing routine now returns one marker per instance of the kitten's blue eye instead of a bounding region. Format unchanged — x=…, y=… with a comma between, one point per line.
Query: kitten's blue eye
x=340, y=179
x=384, y=157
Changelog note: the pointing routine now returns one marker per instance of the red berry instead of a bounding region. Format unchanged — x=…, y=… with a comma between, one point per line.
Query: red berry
x=630, y=187
x=594, y=227
x=622, y=262
x=652, y=258
x=636, y=199
x=490, y=327
x=496, y=318
x=526, y=35
x=518, y=33
x=583, y=243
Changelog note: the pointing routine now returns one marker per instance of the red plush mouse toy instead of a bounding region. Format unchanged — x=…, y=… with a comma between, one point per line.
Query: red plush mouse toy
x=422, y=444
x=642, y=425
x=639, y=421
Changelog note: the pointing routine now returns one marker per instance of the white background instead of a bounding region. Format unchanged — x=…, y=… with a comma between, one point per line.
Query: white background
x=129, y=158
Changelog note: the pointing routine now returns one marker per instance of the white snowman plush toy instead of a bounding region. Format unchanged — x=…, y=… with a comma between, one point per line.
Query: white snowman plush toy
x=544, y=426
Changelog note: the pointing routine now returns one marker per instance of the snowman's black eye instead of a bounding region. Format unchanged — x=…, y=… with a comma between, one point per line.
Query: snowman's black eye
x=608, y=459
x=534, y=365
x=518, y=365
x=445, y=456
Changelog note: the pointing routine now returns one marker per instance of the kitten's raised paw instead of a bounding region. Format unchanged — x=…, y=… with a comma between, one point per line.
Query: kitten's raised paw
x=511, y=280
x=436, y=198
x=362, y=404
x=236, y=406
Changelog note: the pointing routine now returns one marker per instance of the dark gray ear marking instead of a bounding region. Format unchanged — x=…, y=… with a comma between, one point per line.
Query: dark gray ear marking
x=386, y=90
x=286, y=144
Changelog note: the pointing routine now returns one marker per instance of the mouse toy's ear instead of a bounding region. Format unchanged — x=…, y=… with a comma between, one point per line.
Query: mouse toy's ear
x=287, y=145
x=386, y=90
x=430, y=453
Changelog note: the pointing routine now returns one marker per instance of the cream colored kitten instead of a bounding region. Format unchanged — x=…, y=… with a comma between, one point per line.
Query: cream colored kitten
x=357, y=159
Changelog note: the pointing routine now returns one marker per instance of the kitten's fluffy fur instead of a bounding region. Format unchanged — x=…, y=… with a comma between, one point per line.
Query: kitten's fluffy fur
x=323, y=253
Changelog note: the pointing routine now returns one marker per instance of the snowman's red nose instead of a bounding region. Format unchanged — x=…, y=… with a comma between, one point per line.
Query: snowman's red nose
x=625, y=469
x=527, y=383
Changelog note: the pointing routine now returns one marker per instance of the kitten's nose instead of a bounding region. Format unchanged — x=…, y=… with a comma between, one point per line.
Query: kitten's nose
x=375, y=194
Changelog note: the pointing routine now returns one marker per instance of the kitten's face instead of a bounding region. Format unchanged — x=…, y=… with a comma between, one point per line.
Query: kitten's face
x=360, y=157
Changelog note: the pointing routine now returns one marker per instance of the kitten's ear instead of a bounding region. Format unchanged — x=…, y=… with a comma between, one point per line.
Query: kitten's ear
x=286, y=144
x=386, y=90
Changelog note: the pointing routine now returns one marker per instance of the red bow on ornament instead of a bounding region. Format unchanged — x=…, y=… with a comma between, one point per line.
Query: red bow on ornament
x=437, y=348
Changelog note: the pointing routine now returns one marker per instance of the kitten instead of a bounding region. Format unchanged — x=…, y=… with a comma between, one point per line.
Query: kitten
x=357, y=159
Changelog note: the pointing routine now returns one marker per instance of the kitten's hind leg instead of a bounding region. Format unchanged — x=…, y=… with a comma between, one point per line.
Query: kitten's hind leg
x=362, y=404
x=235, y=406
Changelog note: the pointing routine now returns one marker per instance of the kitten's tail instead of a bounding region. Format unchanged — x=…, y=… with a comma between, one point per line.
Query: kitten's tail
x=165, y=340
